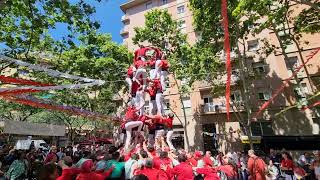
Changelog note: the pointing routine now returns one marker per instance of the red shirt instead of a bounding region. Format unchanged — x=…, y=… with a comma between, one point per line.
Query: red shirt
x=228, y=170
x=193, y=162
x=68, y=174
x=134, y=87
x=151, y=91
x=140, y=52
x=153, y=174
x=130, y=72
x=209, y=173
x=164, y=65
x=168, y=122
x=139, y=63
x=157, y=162
x=92, y=176
x=287, y=164
x=157, y=85
x=152, y=63
x=183, y=171
x=131, y=114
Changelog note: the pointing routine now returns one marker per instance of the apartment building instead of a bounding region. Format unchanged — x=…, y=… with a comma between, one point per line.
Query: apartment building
x=205, y=112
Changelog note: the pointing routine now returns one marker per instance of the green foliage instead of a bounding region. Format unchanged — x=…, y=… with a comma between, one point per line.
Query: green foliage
x=25, y=30
x=26, y=24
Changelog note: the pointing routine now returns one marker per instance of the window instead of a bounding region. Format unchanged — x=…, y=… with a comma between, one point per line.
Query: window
x=261, y=128
x=304, y=88
x=182, y=24
x=264, y=96
x=166, y=104
x=208, y=104
x=164, y=2
x=253, y=45
x=258, y=67
x=180, y=9
x=149, y=5
x=292, y=63
x=186, y=102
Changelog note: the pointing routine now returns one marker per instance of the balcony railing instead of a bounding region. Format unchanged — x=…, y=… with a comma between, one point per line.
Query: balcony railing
x=212, y=108
x=125, y=18
x=223, y=56
x=124, y=31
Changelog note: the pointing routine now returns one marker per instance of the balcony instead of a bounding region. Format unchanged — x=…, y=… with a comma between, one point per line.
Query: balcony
x=124, y=31
x=220, y=80
x=216, y=108
x=223, y=56
x=125, y=18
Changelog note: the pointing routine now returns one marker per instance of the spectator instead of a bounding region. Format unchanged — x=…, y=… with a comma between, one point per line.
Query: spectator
x=273, y=171
x=52, y=156
x=48, y=172
x=130, y=166
x=18, y=169
x=152, y=173
x=68, y=173
x=256, y=167
x=88, y=174
x=183, y=171
x=208, y=172
x=140, y=177
x=316, y=167
x=228, y=168
x=61, y=153
x=118, y=171
x=287, y=166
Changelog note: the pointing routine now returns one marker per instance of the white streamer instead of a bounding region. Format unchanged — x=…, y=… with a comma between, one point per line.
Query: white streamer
x=50, y=72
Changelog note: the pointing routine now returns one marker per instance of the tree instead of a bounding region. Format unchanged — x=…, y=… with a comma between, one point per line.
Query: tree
x=186, y=62
x=25, y=32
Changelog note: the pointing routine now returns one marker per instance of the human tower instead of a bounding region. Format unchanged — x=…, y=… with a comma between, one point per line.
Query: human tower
x=147, y=76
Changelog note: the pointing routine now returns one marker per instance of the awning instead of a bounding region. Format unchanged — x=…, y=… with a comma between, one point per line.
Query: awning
x=35, y=129
x=255, y=139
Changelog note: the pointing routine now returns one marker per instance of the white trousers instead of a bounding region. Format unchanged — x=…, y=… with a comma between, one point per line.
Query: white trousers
x=139, y=101
x=129, y=126
x=129, y=82
x=159, y=102
x=157, y=72
x=152, y=107
x=163, y=77
x=169, y=139
x=152, y=74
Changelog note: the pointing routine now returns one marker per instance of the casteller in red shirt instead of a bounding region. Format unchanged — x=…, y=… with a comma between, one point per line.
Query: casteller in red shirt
x=131, y=114
x=68, y=174
x=209, y=173
x=164, y=65
x=152, y=173
x=183, y=171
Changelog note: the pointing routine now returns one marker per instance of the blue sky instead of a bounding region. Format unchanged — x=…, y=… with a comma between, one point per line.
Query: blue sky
x=108, y=13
